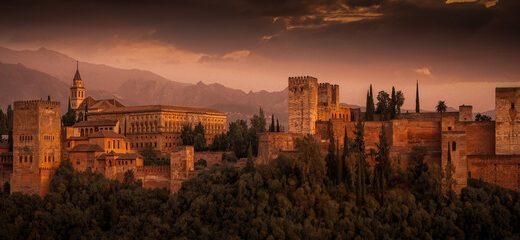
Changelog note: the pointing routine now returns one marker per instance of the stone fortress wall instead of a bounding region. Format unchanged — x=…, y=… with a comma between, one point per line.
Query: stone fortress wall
x=36, y=145
x=483, y=150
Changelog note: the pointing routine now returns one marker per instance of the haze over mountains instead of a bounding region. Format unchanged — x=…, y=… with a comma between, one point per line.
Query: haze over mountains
x=29, y=74
x=34, y=74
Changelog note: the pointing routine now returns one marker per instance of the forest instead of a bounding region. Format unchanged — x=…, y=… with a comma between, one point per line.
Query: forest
x=292, y=197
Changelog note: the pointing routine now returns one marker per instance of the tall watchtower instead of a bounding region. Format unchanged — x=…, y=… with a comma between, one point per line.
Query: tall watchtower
x=77, y=91
x=328, y=100
x=507, y=124
x=303, y=104
x=36, y=145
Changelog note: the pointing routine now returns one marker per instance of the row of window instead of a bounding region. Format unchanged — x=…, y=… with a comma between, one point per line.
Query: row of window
x=113, y=145
x=89, y=131
x=26, y=138
x=6, y=159
x=48, y=138
x=26, y=158
x=78, y=94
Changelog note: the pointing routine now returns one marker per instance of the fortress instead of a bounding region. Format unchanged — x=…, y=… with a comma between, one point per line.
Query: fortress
x=482, y=150
x=111, y=135
x=107, y=140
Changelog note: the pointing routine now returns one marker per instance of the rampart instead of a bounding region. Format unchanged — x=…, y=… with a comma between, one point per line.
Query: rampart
x=154, y=176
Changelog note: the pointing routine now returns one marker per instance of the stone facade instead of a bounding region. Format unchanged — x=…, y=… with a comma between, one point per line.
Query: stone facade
x=181, y=165
x=36, y=145
x=303, y=104
x=160, y=126
x=485, y=150
x=507, y=102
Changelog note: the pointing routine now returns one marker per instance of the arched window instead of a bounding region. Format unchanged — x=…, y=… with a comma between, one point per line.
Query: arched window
x=512, y=105
x=454, y=146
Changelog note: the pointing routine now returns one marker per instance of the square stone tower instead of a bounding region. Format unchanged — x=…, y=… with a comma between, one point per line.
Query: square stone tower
x=328, y=100
x=181, y=163
x=303, y=104
x=507, y=124
x=36, y=145
x=465, y=113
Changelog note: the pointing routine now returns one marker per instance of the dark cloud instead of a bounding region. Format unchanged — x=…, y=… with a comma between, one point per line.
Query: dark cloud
x=420, y=32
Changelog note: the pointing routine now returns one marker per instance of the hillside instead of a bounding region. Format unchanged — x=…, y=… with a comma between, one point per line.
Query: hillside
x=137, y=87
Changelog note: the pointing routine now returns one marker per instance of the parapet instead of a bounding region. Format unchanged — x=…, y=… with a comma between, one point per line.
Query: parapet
x=301, y=80
x=34, y=103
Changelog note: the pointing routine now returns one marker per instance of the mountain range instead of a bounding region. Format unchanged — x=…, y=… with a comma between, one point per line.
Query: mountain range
x=34, y=74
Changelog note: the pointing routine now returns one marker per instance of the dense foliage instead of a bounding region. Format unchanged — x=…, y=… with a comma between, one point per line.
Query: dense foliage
x=239, y=136
x=290, y=198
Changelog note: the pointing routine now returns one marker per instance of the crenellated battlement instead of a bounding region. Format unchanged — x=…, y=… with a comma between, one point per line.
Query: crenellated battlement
x=301, y=80
x=28, y=103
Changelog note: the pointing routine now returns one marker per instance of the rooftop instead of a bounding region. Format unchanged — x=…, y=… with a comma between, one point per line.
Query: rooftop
x=105, y=134
x=96, y=123
x=157, y=108
x=87, y=148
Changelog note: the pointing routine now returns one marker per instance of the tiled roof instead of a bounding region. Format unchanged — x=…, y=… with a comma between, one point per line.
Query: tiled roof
x=95, y=123
x=87, y=148
x=105, y=134
x=156, y=108
x=121, y=156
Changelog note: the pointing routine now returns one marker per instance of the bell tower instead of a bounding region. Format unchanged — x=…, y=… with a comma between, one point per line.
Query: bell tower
x=77, y=91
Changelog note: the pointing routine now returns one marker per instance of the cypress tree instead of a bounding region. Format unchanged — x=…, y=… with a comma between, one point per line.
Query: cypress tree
x=339, y=161
x=367, y=107
x=277, y=125
x=271, y=127
x=3, y=123
x=382, y=166
x=86, y=111
x=393, y=104
x=9, y=118
x=347, y=170
x=359, y=144
x=417, y=107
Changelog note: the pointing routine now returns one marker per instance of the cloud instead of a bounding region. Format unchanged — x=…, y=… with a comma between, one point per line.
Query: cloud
x=235, y=56
x=424, y=71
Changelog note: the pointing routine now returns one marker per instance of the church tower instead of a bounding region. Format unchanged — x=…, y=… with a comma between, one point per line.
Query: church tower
x=77, y=91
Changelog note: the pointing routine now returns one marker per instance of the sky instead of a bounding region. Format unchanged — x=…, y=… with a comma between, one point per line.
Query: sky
x=458, y=50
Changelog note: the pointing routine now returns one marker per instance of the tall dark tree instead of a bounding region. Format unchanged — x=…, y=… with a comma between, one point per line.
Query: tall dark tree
x=381, y=171
x=399, y=101
x=3, y=123
x=331, y=159
x=393, y=104
x=417, y=106
x=199, y=138
x=187, y=135
x=347, y=168
x=277, y=125
x=383, y=105
x=361, y=171
x=258, y=122
x=69, y=118
x=272, y=126
x=9, y=118
x=368, y=112
x=339, y=164
x=86, y=112
x=449, y=171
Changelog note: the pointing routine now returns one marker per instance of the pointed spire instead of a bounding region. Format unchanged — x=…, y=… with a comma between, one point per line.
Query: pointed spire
x=77, y=76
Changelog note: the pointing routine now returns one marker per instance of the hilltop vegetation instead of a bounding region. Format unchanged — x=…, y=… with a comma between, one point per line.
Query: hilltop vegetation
x=290, y=198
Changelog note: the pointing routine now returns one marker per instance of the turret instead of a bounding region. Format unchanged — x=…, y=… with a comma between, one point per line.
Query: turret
x=77, y=91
